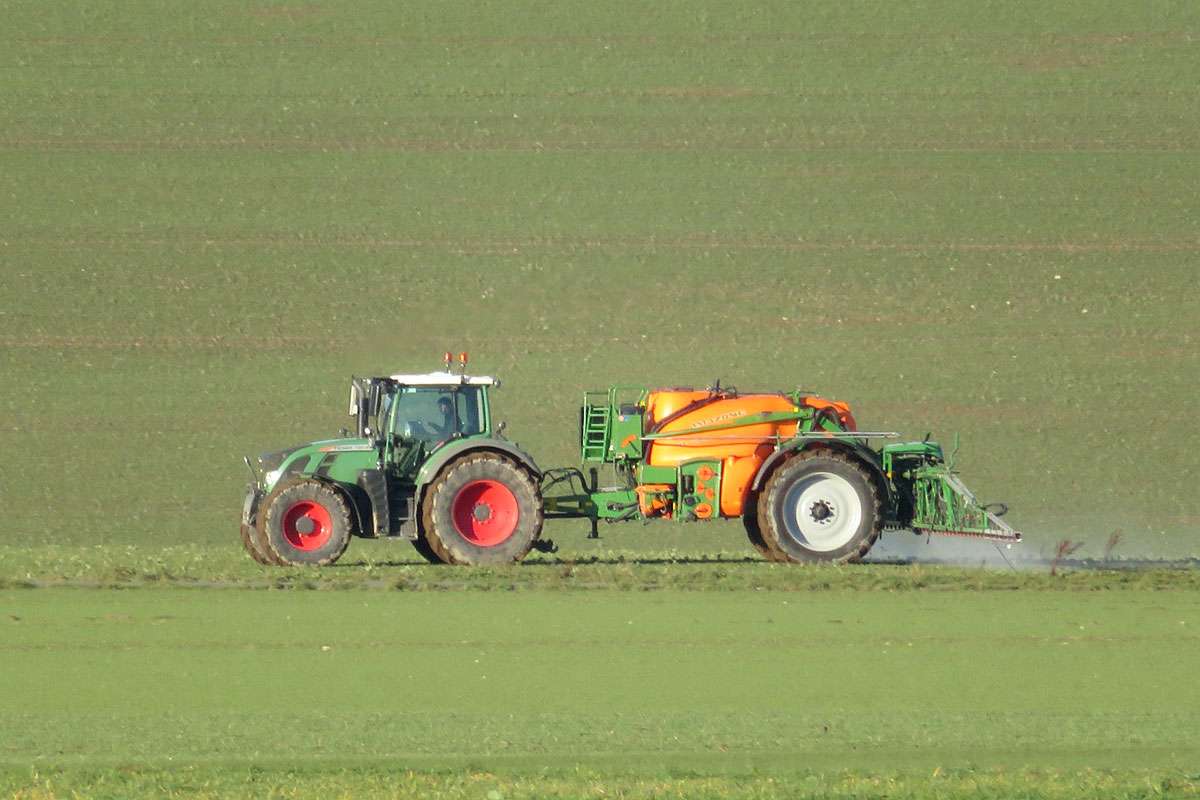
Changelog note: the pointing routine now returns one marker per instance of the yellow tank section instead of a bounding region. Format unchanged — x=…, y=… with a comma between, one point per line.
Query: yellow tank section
x=741, y=450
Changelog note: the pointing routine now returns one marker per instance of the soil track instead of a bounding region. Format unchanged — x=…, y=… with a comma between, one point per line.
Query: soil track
x=573, y=243
x=1117, y=143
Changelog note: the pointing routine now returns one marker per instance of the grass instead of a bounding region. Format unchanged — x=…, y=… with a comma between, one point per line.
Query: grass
x=732, y=682
x=394, y=566
x=379, y=783
x=983, y=222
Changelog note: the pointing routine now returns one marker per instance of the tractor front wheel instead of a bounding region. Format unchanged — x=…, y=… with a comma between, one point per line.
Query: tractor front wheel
x=482, y=509
x=250, y=543
x=820, y=506
x=305, y=523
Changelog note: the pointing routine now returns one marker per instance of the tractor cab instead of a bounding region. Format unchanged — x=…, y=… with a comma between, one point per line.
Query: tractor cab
x=406, y=418
x=432, y=408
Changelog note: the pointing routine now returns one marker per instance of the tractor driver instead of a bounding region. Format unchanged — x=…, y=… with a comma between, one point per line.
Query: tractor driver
x=447, y=428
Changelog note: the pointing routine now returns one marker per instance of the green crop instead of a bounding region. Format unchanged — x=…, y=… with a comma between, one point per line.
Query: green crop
x=648, y=685
x=958, y=220
x=371, y=783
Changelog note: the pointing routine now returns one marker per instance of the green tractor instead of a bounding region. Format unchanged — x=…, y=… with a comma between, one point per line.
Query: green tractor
x=425, y=464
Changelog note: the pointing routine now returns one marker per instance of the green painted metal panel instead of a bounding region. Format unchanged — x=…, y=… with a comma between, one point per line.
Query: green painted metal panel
x=344, y=466
x=574, y=505
x=914, y=449
x=619, y=504
x=627, y=434
x=699, y=490
x=651, y=474
x=306, y=460
x=906, y=455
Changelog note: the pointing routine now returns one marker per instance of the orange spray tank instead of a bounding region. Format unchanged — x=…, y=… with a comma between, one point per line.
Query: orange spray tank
x=739, y=431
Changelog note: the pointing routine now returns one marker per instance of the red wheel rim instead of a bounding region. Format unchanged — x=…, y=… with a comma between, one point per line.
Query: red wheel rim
x=307, y=525
x=485, y=513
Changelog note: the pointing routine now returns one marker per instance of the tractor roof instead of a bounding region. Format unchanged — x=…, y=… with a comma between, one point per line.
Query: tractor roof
x=445, y=379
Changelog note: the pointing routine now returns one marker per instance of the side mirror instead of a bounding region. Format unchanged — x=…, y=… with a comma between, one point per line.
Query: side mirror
x=500, y=428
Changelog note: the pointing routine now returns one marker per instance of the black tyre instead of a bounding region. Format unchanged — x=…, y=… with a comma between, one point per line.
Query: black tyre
x=750, y=519
x=482, y=509
x=421, y=545
x=258, y=537
x=305, y=523
x=820, y=507
x=250, y=543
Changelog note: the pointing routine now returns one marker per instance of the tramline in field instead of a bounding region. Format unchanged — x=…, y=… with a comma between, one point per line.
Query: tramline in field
x=426, y=464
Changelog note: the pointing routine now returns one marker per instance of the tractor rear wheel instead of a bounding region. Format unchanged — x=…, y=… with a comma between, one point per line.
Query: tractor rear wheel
x=482, y=509
x=305, y=522
x=250, y=543
x=820, y=507
x=421, y=545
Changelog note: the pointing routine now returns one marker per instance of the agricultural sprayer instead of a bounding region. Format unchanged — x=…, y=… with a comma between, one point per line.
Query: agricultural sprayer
x=426, y=464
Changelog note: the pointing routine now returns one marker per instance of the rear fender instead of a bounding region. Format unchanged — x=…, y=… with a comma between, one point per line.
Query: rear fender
x=444, y=455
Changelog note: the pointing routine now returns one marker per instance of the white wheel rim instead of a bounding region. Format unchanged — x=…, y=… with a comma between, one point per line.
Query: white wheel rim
x=822, y=512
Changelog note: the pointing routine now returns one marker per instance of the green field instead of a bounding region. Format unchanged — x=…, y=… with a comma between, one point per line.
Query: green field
x=306, y=689
x=979, y=218
x=959, y=221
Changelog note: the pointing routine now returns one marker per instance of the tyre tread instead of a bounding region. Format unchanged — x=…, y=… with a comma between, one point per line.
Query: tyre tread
x=250, y=544
x=752, y=520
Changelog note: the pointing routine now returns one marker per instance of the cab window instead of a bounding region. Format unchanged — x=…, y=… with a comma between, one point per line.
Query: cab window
x=437, y=413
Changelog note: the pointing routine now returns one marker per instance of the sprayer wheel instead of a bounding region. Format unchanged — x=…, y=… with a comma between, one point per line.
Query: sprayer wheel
x=482, y=509
x=821, y=507
x=751, y=519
